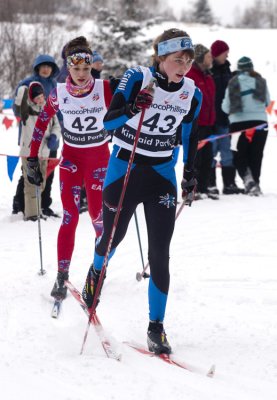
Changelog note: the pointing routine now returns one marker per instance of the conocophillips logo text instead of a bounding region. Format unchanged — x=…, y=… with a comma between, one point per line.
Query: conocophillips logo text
x=83, y=111
x=169, y=107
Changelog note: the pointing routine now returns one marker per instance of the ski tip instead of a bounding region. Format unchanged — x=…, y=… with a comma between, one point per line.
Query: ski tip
x=112, y=353
x=211, y=372
x=56, y=308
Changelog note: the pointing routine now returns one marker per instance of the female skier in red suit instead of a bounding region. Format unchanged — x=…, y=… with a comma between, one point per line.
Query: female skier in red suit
x=83, y=102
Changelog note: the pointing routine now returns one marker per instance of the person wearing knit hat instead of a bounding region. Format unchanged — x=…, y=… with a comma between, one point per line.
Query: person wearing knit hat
x=218, y=47
x=222, y=74
x=200, y=73
x=245, y=101
x=35, y=90
x=97, y=64
x=245, y=64
x=199, y=53
x=96, y=57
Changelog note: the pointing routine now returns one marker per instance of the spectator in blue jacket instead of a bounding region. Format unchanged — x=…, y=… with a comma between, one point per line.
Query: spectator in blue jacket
x=245, y=101
x=45, y=71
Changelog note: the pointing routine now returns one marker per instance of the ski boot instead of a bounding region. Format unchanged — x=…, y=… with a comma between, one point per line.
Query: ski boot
x=91, y=285
x=156, y=338
x=213, y=192
x=232, y=189
x=59, y=290
x=48, y=212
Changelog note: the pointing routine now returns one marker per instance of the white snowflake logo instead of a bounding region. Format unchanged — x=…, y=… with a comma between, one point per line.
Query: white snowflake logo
x=168, y=200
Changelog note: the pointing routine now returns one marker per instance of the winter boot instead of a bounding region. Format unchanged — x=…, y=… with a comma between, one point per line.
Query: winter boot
x=91, y=285
x=232, y=189
x=213, y=192
x=17, y=207
x=18, y=200
x=59, y=289
x=48, y=212
x=156, y=338
x=229, y=185
x=254, y=190
x=249, y=183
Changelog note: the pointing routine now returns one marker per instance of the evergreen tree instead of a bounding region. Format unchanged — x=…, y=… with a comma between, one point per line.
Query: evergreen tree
x=262, y=14
x=202, y=12
x=121, y=42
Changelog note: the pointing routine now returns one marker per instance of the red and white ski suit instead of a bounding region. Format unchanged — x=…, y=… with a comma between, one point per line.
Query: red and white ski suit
x=84, y=157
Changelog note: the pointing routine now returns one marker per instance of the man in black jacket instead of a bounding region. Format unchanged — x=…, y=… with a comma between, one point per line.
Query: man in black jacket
x=222, y=74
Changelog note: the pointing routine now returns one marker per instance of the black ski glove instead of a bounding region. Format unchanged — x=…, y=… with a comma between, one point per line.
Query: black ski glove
x=188, y=185
x=143, y=101
x=34, y=174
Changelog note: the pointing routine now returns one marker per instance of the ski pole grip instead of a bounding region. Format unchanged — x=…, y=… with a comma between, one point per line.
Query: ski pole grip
x=151, y=85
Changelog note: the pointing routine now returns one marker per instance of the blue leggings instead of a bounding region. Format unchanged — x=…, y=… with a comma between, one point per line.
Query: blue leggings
x=223, y=146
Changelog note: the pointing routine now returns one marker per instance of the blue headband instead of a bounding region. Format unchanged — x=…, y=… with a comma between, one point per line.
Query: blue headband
x=174, y=45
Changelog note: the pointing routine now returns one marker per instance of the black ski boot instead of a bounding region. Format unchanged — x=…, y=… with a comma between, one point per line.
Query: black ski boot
x=213, y=192
x=59, y=290
x=48, y=212
x=232, y=189
x=250, y=185
x=156, y=338
x=91, y=285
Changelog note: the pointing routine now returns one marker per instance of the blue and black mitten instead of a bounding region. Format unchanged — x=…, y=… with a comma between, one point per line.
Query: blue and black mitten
x=52, y=142
x=188, y=186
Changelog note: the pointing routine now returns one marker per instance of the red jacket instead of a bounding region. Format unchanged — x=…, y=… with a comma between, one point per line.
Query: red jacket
x=205, y=83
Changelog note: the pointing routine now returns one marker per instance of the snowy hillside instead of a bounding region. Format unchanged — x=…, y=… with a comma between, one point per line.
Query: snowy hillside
x=222, y=301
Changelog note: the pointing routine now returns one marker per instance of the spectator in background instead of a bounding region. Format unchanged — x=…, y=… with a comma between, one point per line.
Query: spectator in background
x=245, y=101
x=97, y=65
x=45, y=70
x=222, y=74
x=29, y=102
x=200, y=73
x=61, y=77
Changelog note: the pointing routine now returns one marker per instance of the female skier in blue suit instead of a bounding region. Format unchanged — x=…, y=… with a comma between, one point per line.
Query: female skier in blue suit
x=152, y=180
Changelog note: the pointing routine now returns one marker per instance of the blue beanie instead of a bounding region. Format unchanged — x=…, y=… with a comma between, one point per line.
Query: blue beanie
x=96, y=57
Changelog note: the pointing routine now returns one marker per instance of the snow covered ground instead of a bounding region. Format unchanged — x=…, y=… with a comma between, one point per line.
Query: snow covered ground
x=221, y=308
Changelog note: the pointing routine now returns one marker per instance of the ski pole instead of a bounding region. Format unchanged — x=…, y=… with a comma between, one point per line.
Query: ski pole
x=104, y=267
x=144, y=274
x=138, y=235
x=42, y=271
